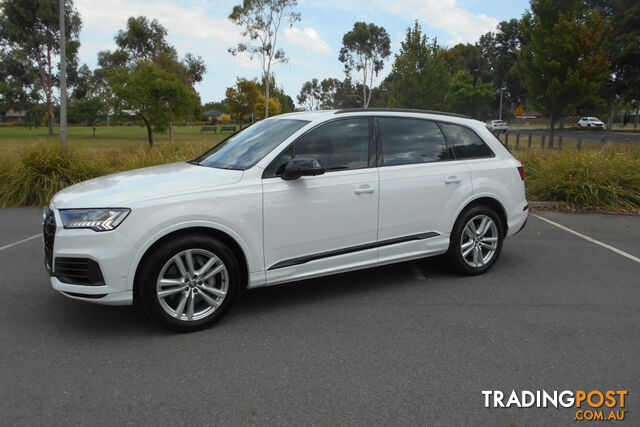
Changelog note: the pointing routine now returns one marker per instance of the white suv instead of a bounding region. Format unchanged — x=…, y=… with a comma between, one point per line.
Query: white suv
x=296, y=196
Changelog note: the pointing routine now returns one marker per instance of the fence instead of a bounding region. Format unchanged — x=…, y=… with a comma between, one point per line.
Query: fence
x=532, y=139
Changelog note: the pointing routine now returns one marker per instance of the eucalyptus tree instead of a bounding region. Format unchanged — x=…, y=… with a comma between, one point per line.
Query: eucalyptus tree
x=365, y=49
x=260, y=21
x=30, y=33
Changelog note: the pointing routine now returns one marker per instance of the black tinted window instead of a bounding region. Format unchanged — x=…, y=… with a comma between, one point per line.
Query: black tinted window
x=466, y=143
x=407, y=141
x=343, y=144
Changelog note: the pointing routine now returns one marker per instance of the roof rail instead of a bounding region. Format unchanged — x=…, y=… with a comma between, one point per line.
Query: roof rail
x=399, y=110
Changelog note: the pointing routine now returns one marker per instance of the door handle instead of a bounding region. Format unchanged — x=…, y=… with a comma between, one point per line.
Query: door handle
x=452, y=180
x=364, y=190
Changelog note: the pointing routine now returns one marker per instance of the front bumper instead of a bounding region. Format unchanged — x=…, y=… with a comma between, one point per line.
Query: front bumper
x=111, y=250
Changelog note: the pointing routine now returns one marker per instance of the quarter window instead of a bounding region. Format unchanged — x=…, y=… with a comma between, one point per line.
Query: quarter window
x=466, y=143
x=406, y=141
x=343, y=144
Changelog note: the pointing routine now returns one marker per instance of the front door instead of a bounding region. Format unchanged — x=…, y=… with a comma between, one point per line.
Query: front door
x=327, y=222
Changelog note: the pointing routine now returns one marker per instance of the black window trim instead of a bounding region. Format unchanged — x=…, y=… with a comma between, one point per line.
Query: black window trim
x=371, y=158
x=380, y=151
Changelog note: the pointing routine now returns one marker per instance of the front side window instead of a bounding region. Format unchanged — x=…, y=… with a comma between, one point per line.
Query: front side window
x=245, y=149
x=338, y=145
x=466, y=143
x=406, y=141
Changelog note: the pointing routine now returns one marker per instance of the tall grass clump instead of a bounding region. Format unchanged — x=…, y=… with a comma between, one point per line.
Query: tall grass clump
x=603, y=179
x=35, y=175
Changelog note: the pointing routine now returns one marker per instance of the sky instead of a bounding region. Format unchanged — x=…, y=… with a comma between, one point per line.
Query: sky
x=312, y=45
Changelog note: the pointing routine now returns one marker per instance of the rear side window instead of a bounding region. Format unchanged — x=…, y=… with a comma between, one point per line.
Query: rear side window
x=466, y=143
x=407, y=141
x=338, y=145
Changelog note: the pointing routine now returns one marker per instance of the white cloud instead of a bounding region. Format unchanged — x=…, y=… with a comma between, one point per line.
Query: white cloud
x=181, y=21
x=307, y=38
x=463, y=25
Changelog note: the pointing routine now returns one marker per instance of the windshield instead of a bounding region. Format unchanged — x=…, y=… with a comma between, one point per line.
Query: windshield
x=248, y=147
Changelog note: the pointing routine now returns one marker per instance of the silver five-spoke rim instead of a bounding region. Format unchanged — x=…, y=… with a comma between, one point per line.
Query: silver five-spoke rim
x=192, y=284
x=479, y=241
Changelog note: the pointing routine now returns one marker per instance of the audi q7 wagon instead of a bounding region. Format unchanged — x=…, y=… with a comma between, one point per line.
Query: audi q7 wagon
x=292, y=197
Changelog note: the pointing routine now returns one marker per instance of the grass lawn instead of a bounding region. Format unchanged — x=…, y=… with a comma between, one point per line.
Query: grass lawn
x=15, y=138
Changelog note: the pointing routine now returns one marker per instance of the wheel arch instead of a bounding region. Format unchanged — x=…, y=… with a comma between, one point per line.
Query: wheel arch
x=491, y=202
x=199, y=230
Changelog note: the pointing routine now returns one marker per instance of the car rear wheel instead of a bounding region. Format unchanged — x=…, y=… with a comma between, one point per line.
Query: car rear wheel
x=189, y=283
x=476, y=240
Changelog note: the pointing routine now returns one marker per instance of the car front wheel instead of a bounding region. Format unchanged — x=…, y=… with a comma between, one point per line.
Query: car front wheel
x=189, y=283
x=476, y=241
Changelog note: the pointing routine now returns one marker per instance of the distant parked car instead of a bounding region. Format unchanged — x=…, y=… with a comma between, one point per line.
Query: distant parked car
x=497, y=126
x=590, y=122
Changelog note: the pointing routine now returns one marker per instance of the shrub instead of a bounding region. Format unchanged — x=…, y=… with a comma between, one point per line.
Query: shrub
x=33, y=177
x=606, y=179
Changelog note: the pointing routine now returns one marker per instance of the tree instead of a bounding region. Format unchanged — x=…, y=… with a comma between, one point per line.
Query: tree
x=466, y=98
x=142, y=44
x=274, y=106
x=242, y=98
x=157, y=96
x=500, y=49
x=467, y=57
x=143, y=40
x=260, y=21
x=87, y=110
x=30, y=30
x=277, y=92
x=562, y=60
x=419, y=77
x=364, y=49
x=623, y=81
x=309, y=96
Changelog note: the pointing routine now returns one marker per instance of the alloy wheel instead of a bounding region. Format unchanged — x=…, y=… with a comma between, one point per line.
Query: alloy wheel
x=479, y=241
x=192, y=284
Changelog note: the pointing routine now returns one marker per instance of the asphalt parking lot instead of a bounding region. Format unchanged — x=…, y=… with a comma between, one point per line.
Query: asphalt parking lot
x=407, y=344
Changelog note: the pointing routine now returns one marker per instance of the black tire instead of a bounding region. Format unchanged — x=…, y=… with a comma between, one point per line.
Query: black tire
x=455, y=256
x=146, y=286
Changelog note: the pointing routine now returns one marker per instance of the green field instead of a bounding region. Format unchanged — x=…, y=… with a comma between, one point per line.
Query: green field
x=80, y=137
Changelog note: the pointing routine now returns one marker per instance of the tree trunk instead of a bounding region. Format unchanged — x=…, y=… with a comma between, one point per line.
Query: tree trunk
x=551, y=131
x=149, y=129
x=610, y=115
x=635, y=121
x=364, y=88
x=108, y=119
x=171, y=132
x=50, y=114
x=266, y=95
x=94, y=131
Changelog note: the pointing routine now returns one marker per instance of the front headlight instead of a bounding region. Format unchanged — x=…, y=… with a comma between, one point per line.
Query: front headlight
x=104, y=219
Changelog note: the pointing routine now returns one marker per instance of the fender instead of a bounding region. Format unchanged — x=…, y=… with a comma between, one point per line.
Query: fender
x=252, y=268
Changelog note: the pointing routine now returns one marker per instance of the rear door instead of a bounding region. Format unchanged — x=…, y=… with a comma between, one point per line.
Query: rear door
x=421, y=187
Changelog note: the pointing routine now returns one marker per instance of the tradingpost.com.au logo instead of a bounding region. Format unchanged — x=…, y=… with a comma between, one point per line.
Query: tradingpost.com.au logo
x=594, y=405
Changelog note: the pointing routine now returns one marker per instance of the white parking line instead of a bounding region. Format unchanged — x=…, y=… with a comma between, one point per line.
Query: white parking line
x=590, y=239
x=10, y=245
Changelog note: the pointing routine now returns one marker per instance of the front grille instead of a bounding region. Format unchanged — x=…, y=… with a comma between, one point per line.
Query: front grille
x=78, y=271
x=48, y=235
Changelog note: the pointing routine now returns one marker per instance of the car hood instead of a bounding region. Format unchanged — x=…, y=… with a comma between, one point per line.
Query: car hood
x=121, y=189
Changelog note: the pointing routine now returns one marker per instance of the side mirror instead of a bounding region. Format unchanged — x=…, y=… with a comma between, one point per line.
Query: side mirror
x=301, y=166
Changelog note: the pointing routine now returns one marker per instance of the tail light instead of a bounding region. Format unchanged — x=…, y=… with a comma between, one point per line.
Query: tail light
x=521, y=172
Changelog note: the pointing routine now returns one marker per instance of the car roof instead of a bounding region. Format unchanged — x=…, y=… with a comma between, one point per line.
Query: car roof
x=323, y=115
